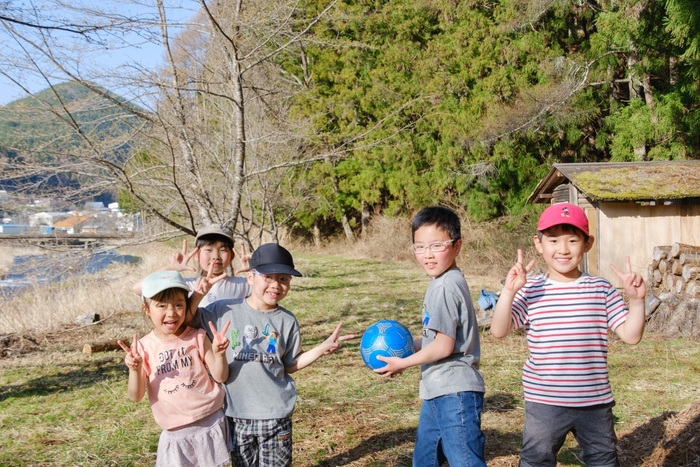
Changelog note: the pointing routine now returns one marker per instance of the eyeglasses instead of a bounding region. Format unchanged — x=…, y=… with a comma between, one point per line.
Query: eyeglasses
x=437, y=247
x=283, y=279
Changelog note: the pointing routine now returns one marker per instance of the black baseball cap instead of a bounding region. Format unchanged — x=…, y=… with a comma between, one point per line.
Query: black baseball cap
x=271, y=258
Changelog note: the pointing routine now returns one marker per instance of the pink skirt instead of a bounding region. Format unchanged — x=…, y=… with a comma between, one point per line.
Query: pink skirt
x=203, y=443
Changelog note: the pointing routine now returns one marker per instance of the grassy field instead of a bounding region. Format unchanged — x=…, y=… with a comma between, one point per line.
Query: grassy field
x=60, y=407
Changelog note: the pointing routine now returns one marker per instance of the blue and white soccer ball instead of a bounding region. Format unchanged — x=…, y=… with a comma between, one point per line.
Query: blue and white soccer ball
x=387, y=338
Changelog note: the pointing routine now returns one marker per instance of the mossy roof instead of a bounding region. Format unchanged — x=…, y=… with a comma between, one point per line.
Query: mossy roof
x=625, y=181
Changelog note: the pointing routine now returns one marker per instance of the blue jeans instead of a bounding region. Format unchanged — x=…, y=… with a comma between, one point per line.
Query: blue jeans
x=449, y=429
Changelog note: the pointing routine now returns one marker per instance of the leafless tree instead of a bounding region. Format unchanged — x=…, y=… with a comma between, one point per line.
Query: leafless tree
x=203, y=138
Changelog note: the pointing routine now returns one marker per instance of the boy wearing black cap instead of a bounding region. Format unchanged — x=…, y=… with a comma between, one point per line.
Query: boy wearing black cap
x=567, y=314
x=265, y=349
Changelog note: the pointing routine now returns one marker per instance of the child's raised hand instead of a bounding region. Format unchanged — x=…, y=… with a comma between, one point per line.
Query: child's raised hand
x=133, y=359
x=180, y=259
x=517, y=276
x=219, y=342
x=632, y=282
x=332, y=344
x=203, y=284
x=244, y=259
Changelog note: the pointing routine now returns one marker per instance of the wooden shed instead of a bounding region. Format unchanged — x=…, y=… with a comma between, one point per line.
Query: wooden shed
x=632, y=207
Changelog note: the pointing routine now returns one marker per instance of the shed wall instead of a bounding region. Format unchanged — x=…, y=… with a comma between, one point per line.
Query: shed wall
x=630, y=229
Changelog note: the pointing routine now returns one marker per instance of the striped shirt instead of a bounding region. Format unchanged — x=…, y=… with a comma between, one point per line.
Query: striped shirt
x=567, y=336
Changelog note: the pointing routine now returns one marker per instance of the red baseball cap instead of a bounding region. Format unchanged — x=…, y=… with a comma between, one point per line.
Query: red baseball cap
x=563, y=213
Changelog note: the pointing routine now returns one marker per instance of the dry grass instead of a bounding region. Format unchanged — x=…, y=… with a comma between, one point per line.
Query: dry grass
x=61, y=407
x=489, y=248
x=44, y=307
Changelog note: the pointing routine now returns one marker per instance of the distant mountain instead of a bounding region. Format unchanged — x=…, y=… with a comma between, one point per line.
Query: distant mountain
x=39, y=125
x=38, y=129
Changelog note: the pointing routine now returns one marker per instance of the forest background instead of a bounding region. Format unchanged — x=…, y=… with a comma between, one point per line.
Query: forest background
x=313, y=116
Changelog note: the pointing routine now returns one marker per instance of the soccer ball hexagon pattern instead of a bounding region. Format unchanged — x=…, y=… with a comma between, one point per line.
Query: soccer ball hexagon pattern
x=387, y=338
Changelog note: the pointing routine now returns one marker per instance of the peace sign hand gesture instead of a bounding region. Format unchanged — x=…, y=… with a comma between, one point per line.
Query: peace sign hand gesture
x=333, y=342
x=180, y=259
x=517, y=276
x=219, y=342
x=203, y=284
x=244, y=260
x=133, y=359
x=632, y=282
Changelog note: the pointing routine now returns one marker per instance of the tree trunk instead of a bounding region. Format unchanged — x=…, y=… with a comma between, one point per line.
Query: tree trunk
x=184, y=138
x=660, y=252
x=274, y=231
x=673, y=70
x=649, y=99
x=317, y=234
x=689, y=258
x=365, y=219
x=676, y=267
x=239, y=145
x=635, y=88
x=103, y=346
x=346, y=227
x=690, y=272
x=693, y=289
x=678, y=248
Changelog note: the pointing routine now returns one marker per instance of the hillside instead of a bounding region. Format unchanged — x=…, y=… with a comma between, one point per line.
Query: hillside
x=33, y=130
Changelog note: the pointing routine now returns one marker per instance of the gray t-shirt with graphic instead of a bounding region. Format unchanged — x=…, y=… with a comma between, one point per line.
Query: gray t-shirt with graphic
x=448, y=309
x=262, y=345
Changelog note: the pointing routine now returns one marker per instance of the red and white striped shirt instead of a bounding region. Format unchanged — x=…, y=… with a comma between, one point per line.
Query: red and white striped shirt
x=567, y=335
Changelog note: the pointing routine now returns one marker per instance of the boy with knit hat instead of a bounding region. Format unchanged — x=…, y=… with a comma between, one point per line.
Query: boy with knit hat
x=566, y=314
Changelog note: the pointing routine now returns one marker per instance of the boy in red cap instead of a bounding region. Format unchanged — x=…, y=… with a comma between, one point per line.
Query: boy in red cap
x=566, y=314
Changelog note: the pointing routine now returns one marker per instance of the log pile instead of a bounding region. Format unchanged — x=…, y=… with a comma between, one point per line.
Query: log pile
x=676, y=269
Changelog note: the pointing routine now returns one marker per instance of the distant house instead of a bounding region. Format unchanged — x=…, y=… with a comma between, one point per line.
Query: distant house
x=47, y=218
x=45, y=203
x=95, y=206
x=72, y=225
x=93, y=227
x=13, y=229
x=632, y=207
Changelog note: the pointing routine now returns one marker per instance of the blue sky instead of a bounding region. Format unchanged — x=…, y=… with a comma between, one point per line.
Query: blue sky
x=146, y=54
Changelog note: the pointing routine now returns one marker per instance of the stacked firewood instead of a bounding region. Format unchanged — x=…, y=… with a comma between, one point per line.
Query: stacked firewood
x=676, y=269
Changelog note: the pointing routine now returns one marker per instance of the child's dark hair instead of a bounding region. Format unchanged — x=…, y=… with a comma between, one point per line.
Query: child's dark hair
x=171, y=294
x=444, y=219
x=166, y=295
x=210, y=239
x=566, y=228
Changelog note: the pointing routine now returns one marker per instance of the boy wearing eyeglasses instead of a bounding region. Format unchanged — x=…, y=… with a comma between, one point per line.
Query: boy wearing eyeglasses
x=451, y=386
x=260, y=392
